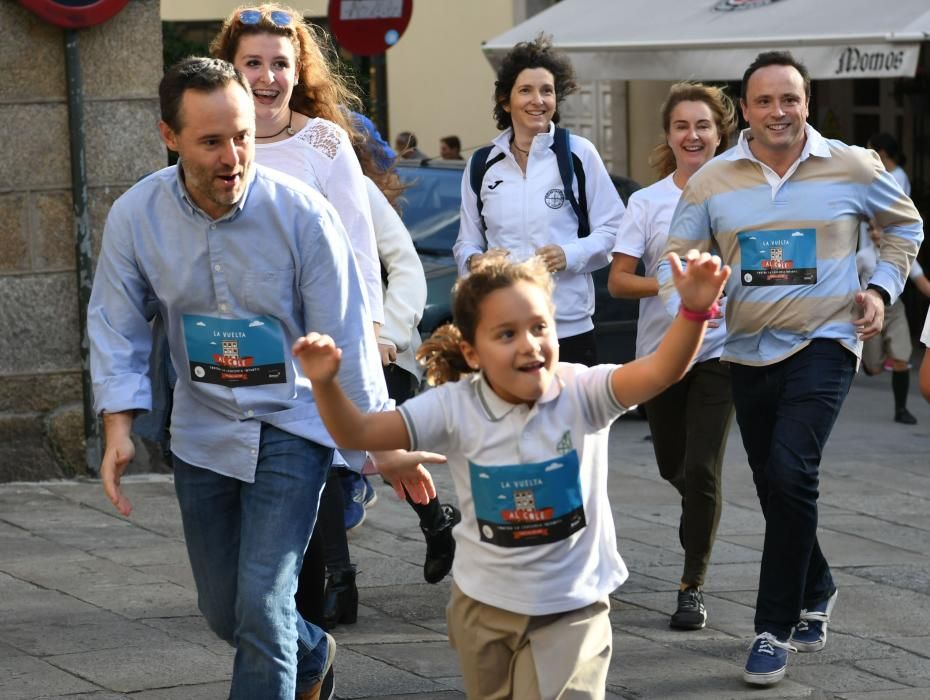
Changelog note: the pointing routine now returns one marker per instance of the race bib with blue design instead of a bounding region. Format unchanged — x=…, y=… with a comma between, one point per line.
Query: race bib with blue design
x=523, y=505
x=787, y=256
x=234, y=351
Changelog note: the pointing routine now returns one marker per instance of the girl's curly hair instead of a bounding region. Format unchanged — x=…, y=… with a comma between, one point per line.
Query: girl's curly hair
x=441, y=353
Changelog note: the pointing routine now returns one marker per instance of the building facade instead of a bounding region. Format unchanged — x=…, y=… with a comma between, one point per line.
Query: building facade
x=41, y=408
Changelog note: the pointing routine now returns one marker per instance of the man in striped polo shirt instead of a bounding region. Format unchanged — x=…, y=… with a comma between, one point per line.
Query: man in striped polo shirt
x=783, y=209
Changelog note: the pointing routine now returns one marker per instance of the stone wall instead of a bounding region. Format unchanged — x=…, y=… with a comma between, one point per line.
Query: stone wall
x=41, y=419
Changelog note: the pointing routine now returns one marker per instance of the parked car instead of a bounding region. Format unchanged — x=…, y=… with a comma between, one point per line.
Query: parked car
x=430, y=210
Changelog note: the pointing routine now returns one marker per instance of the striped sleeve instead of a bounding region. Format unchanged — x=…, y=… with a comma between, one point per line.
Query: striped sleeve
x=902, y=229
x=690, y=228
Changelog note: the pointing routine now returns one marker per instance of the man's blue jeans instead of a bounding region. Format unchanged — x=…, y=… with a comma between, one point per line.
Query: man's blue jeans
x=785, y=413
x=246, y=543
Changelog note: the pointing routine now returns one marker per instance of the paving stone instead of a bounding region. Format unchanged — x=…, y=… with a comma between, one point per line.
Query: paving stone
x=179, y=573
x=8, y=652
x=376, y=569
x=908, y=669
x=193, y=629
x=908, y=538
x=160, y=550
x=844, y=550
x=146, y=667
x=918, y=645
x=79, y=574
x=427, y=659
x=35, y=605
x=900, y=612
x=649, y=617
x=418, y=603
x=24, y=677
x=689, y=675
x=144, y=600
x=839, y=678
x=200, y=691
x=915, y=577
x=438, y=695
x=357, y=674
x=373, y=627
x=99, y=631
x=102, y=695
x=898, y=694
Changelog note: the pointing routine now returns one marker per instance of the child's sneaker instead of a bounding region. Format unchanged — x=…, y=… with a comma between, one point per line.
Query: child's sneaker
x=810, y=634
x=768, y=659
x=358, y=495
x=690, y=614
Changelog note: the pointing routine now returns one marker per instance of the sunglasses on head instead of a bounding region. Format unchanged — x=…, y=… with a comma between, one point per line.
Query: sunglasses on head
x=279, y=18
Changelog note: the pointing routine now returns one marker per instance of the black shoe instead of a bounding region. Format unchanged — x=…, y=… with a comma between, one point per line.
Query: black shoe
x=902, y=415
x=340, y=601
x=690, y=614
x=440, y=545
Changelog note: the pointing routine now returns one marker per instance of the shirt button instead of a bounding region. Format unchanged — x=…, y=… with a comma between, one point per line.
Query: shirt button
x=224, y=307
x=213, y=226
x=217, y=267
x=250, y=413
x=253, y=451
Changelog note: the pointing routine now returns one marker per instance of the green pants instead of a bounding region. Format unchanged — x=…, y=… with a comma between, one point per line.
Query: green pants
x=689, y=422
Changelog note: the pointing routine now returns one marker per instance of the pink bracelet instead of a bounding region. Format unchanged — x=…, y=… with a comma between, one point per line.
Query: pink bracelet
x=699, y=316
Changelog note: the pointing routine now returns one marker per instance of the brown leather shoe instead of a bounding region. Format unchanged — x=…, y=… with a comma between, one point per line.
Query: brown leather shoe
x=326, y=680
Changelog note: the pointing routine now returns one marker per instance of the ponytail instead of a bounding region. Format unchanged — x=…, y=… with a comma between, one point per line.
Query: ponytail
x=441, y=355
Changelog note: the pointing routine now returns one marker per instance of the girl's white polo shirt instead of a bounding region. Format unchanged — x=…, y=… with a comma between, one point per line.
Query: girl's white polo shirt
x=537, y=534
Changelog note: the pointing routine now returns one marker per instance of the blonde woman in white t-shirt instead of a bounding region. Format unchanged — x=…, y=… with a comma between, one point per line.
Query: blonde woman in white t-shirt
x=690, y=420
x=526, y=440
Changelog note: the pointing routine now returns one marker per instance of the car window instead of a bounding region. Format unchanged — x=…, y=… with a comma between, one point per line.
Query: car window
x=430, y=207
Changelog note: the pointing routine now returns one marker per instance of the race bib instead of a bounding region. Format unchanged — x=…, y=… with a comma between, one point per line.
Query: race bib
x=788, y=256
x=234, y=351
x=523, y=505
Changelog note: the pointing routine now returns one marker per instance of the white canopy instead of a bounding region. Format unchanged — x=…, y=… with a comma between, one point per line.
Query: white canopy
x=718, y=39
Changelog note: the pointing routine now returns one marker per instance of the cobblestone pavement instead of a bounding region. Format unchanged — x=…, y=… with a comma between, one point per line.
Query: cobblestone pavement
x=95, y=606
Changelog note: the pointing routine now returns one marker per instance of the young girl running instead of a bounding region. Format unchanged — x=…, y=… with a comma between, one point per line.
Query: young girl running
x=526, y=438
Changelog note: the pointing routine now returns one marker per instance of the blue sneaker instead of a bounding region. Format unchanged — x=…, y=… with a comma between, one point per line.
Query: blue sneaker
x=371, y=496
x=768, y=659
x=358, y=495
x=810, y=634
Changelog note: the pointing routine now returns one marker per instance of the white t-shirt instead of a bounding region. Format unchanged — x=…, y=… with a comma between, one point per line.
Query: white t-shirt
x=643, y=234
x=537, y=534
x=322, y=156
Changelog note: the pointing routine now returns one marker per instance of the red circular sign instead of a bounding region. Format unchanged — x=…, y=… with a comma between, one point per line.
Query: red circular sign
x=75, y=14
x=366, y=27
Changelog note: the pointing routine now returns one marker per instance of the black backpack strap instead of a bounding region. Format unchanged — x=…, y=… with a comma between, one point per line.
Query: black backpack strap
x=479, y=166
x=570, y=168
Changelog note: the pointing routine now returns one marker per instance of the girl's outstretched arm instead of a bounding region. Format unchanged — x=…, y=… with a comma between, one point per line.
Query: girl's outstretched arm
x=350, y=428
x=699, y=286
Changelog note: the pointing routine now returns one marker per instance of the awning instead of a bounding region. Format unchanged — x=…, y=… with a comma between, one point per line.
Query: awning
x=718, y=39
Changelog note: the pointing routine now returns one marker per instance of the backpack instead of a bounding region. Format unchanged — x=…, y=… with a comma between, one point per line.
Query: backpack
x=569, y=168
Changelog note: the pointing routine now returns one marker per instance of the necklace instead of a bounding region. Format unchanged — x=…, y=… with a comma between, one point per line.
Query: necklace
x=290, y=131
x=513, y=144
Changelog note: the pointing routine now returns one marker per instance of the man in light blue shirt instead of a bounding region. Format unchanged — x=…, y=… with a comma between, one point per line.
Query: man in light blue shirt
x=240, y=262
